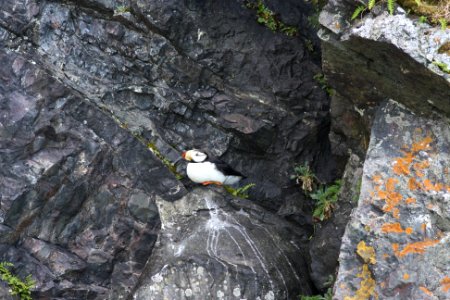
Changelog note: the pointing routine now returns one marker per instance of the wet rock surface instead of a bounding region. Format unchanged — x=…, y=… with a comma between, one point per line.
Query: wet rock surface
x=212, y=246
x=396, y=245
x=84, y=83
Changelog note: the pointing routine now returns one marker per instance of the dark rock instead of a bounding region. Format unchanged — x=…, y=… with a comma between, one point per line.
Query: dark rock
x=83, y=88
x=66, y=199
x=325, y=245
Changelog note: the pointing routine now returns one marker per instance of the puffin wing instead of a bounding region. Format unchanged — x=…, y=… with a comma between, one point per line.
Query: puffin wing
x=224, y=167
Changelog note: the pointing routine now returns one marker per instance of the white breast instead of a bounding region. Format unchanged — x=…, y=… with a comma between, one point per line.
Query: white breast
x=201, y=172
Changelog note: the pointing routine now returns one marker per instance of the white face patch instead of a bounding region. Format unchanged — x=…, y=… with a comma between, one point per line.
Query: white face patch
x=197, y=156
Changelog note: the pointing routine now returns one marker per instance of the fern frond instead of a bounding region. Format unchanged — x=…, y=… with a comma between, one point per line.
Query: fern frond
x=390, y=5
x=371, y=4
x=418, y=2
x=358, y=11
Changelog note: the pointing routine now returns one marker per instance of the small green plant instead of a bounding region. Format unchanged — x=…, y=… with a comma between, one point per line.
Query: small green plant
x=121, y=9
x=241, y=192
x=390, y=6
x=304, y=177
x=268, y=18
x=358, y=12
x=423, y=19
x=442, y=66
x=443, y=23
x=325, y=198
x=309, y=45
x=17, y=286
x=328, y=296
x=322, y=81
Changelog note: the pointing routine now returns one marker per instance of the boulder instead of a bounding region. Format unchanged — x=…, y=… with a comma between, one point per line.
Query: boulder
x=396, y=245
x=212, y=246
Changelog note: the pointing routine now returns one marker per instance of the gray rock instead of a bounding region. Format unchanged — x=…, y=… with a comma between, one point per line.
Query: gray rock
x=396, y=245
x=211, y=248
x=142, y=207
x=83, y=87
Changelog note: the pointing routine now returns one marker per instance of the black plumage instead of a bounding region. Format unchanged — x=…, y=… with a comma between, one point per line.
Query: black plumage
x=221, y=165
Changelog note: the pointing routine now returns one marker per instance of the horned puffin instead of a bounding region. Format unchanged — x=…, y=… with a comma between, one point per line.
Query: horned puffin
x=205, y=169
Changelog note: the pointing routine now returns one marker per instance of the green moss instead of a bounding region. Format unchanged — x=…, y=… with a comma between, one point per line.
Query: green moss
x=18, y=287
x=322, y=81
x=268, y=18
x=442, y=66
x=121, y=9
x=150, y=146
x=239, y=192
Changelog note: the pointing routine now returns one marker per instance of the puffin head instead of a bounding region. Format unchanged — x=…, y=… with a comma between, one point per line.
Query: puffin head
x=194, y=155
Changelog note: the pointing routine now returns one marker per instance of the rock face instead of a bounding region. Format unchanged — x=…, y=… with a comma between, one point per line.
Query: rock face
x=212, y=246
x=69, y=190
x=84, y=85
x=396, y=245
x=378, y=57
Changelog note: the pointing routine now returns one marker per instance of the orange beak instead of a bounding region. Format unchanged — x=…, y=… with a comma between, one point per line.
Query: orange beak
x=183, y=155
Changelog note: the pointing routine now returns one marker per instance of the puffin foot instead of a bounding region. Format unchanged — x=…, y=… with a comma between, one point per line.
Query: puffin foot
x=212, y=182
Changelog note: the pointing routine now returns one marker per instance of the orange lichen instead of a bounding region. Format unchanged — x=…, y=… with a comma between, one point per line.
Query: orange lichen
x=395, y=228
x=428, y=185
x=417, y=247
x=445, y=283
x=367, y=253
x=426, y=291
x=406, y=276
x=422, y=145
x=413, y=184
x=391, y=197
x=419, y=174
x=377, y=179
x=421, y=165
x=401, y=166
x=410, y=200
x=390, y=184
x=392, y=228
x=396, y=213
x=395, y=248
